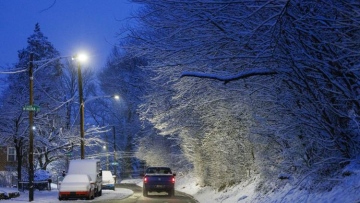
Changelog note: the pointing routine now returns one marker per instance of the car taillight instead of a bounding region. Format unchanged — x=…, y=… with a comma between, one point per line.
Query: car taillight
x=173, y=179
x=145, y=179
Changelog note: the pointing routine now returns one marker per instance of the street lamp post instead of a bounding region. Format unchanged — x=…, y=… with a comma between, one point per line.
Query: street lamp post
x=81, y=101
x=107, y=154
x=79, y=58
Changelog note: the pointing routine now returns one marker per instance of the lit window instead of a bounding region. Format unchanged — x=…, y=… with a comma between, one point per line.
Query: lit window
x=11, y=154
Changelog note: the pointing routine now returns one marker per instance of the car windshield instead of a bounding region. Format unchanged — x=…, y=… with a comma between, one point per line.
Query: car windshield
x=158, y=170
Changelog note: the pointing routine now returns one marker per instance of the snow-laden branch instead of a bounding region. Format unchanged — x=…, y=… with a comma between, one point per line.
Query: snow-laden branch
x=13, y=71
x=226, y=79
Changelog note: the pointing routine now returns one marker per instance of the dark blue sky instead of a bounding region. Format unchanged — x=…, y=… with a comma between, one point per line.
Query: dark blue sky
x=71, y=25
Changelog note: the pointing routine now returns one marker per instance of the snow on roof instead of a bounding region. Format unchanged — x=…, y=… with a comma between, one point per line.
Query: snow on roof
x=76, y=178
x=85, y=160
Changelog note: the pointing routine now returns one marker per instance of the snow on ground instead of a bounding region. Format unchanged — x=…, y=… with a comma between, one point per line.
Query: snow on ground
x=346, y=192
x=52, y=196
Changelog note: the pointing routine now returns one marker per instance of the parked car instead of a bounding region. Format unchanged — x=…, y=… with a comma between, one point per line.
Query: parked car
x=159, y=179
x=108, y=180
x=41, y=179
x=77, y=186
x=90, y=167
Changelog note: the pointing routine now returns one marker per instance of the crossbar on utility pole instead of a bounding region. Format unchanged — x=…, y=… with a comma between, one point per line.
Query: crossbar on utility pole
x=31, y=135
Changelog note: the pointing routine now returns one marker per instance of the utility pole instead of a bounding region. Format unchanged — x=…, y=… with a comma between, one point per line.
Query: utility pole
x=107, y=151
x=115, y=161
x=31, y=136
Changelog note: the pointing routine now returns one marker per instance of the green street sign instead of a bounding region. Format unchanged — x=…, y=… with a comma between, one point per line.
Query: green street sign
x=114, y=163
x=31, y=108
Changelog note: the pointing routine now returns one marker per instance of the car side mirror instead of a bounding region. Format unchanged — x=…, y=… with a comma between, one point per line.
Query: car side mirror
x=174, y=174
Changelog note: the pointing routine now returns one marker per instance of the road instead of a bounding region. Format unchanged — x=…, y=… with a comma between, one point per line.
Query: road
x=137, y=197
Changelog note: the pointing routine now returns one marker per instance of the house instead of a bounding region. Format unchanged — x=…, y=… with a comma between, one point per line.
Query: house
x=8, y=166
x=8, y=160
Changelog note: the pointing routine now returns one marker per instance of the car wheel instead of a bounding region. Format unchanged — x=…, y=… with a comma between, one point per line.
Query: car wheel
x=89, y=196
x=60, y=198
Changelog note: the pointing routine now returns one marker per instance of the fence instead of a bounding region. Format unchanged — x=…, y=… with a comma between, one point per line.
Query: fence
x=40, y=185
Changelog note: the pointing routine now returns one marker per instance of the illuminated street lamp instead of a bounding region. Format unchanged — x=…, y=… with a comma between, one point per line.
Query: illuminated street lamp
x=81, y=58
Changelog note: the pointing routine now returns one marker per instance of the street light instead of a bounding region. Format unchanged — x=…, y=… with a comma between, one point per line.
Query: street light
x=105, y=147
x=82, y=112
x=81, y=58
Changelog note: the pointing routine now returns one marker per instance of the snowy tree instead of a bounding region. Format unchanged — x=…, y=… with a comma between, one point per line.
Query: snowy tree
x=56, y=124
x=316, y=42
x=123, y=76
x=16, y=96
x=297, y=62
x=203, y=36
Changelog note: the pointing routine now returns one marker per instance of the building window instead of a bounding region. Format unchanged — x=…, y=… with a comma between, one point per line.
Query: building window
x=11, y=154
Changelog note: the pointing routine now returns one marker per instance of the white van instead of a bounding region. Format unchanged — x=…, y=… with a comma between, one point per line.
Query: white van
x=108, y=180
x=90, y=167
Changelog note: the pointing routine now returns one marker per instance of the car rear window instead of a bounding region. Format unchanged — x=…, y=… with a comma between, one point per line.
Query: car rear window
x=158, y=170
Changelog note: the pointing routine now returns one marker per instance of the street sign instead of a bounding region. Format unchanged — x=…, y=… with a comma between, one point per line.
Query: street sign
x=114, y=163
x=31, y=108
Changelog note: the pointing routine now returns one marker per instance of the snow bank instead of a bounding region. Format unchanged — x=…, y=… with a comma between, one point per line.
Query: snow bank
x=347, y=190
x=52, y=196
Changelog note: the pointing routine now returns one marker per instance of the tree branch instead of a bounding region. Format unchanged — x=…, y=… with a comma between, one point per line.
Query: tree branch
x=226, y=79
